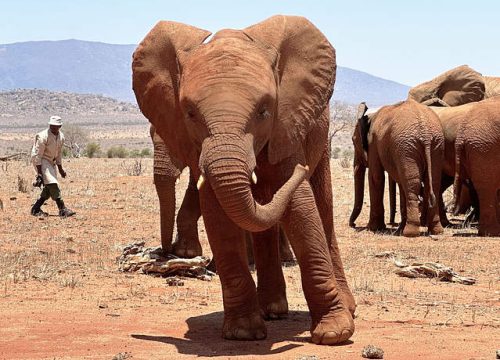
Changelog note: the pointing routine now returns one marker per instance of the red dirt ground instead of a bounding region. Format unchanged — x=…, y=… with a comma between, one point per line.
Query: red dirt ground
x=62, y=297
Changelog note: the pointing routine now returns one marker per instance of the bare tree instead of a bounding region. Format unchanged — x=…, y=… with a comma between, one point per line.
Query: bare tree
x=342, y=115
x=75, y=139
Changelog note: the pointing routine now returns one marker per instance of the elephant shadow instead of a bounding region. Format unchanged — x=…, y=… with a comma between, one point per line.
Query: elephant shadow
x=203, y=337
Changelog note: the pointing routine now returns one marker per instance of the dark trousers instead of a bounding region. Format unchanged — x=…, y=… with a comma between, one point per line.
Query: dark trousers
x=51, y=191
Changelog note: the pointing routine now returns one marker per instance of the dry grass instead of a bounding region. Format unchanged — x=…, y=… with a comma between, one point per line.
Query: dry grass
x=75, y=258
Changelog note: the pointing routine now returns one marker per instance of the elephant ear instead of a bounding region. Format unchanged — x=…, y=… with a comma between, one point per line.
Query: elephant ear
x=306, y=70
x=363, y=125
x=155, y=78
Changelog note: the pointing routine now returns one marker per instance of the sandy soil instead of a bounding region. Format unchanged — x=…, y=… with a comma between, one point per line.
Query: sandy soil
x=62, y=297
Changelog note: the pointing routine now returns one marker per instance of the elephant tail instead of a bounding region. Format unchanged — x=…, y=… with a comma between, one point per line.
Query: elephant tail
x=457, y=183
x=432, y=196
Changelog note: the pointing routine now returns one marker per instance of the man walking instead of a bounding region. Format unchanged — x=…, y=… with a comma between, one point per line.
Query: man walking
x=45, y=155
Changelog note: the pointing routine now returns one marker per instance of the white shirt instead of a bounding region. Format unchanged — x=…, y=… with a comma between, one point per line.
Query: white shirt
x=47, y=153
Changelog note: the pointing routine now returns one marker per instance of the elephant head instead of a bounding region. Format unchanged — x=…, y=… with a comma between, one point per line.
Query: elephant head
x=360, y=142
x=243, y=92
x=455, y=87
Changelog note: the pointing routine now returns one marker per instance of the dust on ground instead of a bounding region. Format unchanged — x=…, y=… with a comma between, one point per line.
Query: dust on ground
x=62, y=297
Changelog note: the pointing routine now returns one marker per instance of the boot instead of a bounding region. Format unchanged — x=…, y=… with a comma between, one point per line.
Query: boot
x=63, y=210
x=36, y=208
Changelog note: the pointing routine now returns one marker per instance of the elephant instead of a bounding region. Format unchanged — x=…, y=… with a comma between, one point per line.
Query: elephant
x=247, y=111
x=449, y=95
x=406, y=140
x=477, y=155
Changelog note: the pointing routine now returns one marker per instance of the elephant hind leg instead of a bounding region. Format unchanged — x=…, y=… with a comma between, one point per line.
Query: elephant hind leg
x=433, y=220
x=489, y=205
x=187, y=243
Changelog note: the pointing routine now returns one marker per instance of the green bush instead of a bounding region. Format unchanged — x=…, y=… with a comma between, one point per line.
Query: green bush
x=335, y=152
x=134, y=153
x=65, y=152
x=146, y=152
x=117, y=152
x=93, y=150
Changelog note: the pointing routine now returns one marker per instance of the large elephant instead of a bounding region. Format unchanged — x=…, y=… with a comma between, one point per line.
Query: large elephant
x=405, y=140
x=477, y=151
x=253, y=104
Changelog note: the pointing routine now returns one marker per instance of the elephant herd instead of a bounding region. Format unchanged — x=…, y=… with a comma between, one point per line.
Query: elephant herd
x=247, y=111
x=448, y=131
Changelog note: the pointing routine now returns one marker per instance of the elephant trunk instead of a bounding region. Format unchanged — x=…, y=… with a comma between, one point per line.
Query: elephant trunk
x=228, y=167
x=359, y=189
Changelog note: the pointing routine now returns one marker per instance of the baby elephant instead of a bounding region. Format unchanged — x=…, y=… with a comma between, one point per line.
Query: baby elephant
x=406, y=140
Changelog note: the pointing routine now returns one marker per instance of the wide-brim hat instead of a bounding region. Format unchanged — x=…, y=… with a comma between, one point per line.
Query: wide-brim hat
x=55, y=120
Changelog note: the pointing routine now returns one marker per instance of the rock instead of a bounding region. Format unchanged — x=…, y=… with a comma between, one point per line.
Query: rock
x=372, y=352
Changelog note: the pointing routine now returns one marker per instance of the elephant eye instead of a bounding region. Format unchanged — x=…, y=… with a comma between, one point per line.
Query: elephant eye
x=263, y=113
x=190, y=114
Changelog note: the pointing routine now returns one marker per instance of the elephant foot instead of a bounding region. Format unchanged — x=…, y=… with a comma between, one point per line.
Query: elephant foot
x=333, y=328
x=489, y=230
x=185, y=248
x=376, y=226
x=411, y=230
x=436, y=229
x=348, y=300
x=274, y=309
x=250, y=327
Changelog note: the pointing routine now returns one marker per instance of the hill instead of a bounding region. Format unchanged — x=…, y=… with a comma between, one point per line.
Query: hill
x=93, y=67
x=32, y=107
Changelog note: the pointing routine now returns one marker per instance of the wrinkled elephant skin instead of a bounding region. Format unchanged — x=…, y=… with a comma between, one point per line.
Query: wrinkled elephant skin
x=477, y=151
x=253, y=111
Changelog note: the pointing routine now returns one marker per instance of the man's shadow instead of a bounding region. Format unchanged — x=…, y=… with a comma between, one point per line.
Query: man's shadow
x=203, y=337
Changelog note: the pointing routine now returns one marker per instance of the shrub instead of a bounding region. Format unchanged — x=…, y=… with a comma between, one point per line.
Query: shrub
x=65, y=152
x=335, y=152
x=146, y=152
x=117, y=152
x=93, y=150
x=135, y=153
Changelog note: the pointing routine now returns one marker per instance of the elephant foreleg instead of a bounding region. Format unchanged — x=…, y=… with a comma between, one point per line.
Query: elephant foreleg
x=321, y=187
x=331, y=320
x=271, y=288
x=165, y=189
x=187, y=243
x=242, y=317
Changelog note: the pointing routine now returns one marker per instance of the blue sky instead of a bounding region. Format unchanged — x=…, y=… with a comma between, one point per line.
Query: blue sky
x=401, y=40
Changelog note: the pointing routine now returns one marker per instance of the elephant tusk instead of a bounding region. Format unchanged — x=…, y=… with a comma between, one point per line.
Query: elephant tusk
x=200, y=182
x=254, y=177
x=177, y=180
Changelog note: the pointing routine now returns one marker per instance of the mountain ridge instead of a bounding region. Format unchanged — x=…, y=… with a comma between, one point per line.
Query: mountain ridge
x=95, y=67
